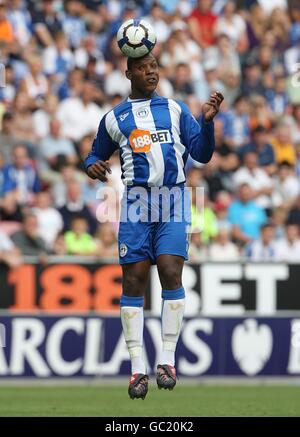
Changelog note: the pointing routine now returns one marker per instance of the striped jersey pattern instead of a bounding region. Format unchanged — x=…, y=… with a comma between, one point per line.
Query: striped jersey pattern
x=154, y=138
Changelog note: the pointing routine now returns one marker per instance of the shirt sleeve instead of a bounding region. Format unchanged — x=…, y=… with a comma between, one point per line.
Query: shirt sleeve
x=199, y=140
x=103, y=146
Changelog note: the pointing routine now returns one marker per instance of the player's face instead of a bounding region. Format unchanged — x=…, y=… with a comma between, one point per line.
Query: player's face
x=144, y=75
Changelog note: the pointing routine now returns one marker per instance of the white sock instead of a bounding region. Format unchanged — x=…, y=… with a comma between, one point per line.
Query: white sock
x=133, y=324
x=172, y=315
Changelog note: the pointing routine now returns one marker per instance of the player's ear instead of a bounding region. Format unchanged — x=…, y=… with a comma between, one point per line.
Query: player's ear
x=128, y=74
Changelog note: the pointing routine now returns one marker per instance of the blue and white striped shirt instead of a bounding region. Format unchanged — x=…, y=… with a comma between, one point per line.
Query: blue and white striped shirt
x=154, y=138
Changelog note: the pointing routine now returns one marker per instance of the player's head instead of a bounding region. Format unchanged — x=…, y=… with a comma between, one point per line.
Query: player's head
x=143, y=74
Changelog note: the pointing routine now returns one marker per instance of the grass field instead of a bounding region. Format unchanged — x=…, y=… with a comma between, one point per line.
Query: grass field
x=185, y=400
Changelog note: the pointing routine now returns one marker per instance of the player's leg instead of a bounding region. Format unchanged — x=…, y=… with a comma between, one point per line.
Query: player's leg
x=171, y=247
x=173, y=296
x=135, y=278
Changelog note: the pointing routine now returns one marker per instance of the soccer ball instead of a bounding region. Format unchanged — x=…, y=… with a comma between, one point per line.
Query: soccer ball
x=136, y=38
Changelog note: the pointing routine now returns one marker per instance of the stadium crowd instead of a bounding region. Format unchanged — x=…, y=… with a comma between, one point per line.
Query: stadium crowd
x=61, y=71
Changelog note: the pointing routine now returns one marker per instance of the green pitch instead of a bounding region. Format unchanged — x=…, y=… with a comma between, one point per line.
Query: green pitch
x=185, y=400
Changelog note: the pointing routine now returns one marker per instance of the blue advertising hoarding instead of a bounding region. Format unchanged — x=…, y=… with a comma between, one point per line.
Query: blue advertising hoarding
x=92, y=345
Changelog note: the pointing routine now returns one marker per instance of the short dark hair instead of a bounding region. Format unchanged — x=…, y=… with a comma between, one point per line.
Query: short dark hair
x=131, y=61
x=267, y=225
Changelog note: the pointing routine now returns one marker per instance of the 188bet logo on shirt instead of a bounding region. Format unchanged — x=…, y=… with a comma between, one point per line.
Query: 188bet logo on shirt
x=141, y=140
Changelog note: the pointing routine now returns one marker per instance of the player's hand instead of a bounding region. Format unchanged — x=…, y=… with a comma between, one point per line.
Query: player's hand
x=212, y=106
x=98, y=170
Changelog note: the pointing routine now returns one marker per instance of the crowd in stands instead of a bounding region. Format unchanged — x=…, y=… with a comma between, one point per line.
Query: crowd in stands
x=61, y=70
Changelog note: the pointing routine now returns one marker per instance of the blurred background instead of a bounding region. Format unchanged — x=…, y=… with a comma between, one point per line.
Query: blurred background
x=61, y=71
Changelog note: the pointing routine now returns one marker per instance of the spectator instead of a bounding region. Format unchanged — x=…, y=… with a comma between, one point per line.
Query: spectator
x=57, y=151
x=186, y=50
x=260, y=113
x=291, y=57
x=116, y=82
x=214, y=177
x=59, y=245
x=8, y=93
x=181, y=82
x=35, y=84
x=202, y=24
x=79, y=116
x=222, y=249
x=270, y=7
x=262, y=249
x=278, y=219
x=261, y=147
x=256, y=25
x=282, y=145
x=288, y=249
x=236, y=126
x=195, y=178
x=254, y=176
x=234, y=26
x=23, y=119
x=78, y=241
x=221, y=206
x=197, y=249
x=286, y=186
x=294, y=31
x=294, y=214
x=75, y=206
x=90, y=194
x=252, y=79
x=157, y=18
x=7, y=138
x=227, y=158
x=58, y=59
x=59, y=186
x=294, y=123
x=50, y=222
x=212, y=80
x=107, y=245
x=28, y=240
x=9, y=253
x=245, y=215
x=6, y=30
x=43, y=115
x=72, y=86
x=20, y=177
x=278, y=98
x=20, y=20
x=229, y=68
x=73, y=23
x=203, y=217
x=46, y=21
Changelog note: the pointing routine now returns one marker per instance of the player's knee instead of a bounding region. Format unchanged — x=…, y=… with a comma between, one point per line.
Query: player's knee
x=170, y=278
x=133, y=286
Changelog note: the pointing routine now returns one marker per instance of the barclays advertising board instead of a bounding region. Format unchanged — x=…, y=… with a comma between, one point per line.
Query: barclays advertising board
x=91, y=346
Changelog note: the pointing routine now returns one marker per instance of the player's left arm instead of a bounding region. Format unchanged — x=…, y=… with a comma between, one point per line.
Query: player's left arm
x=200, y=140
x=96, y=163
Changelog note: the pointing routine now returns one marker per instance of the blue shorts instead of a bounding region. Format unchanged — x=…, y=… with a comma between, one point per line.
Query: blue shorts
x=152, y=224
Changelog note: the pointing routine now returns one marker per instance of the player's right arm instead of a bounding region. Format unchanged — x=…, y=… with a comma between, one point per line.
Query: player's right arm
x=96, y=163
